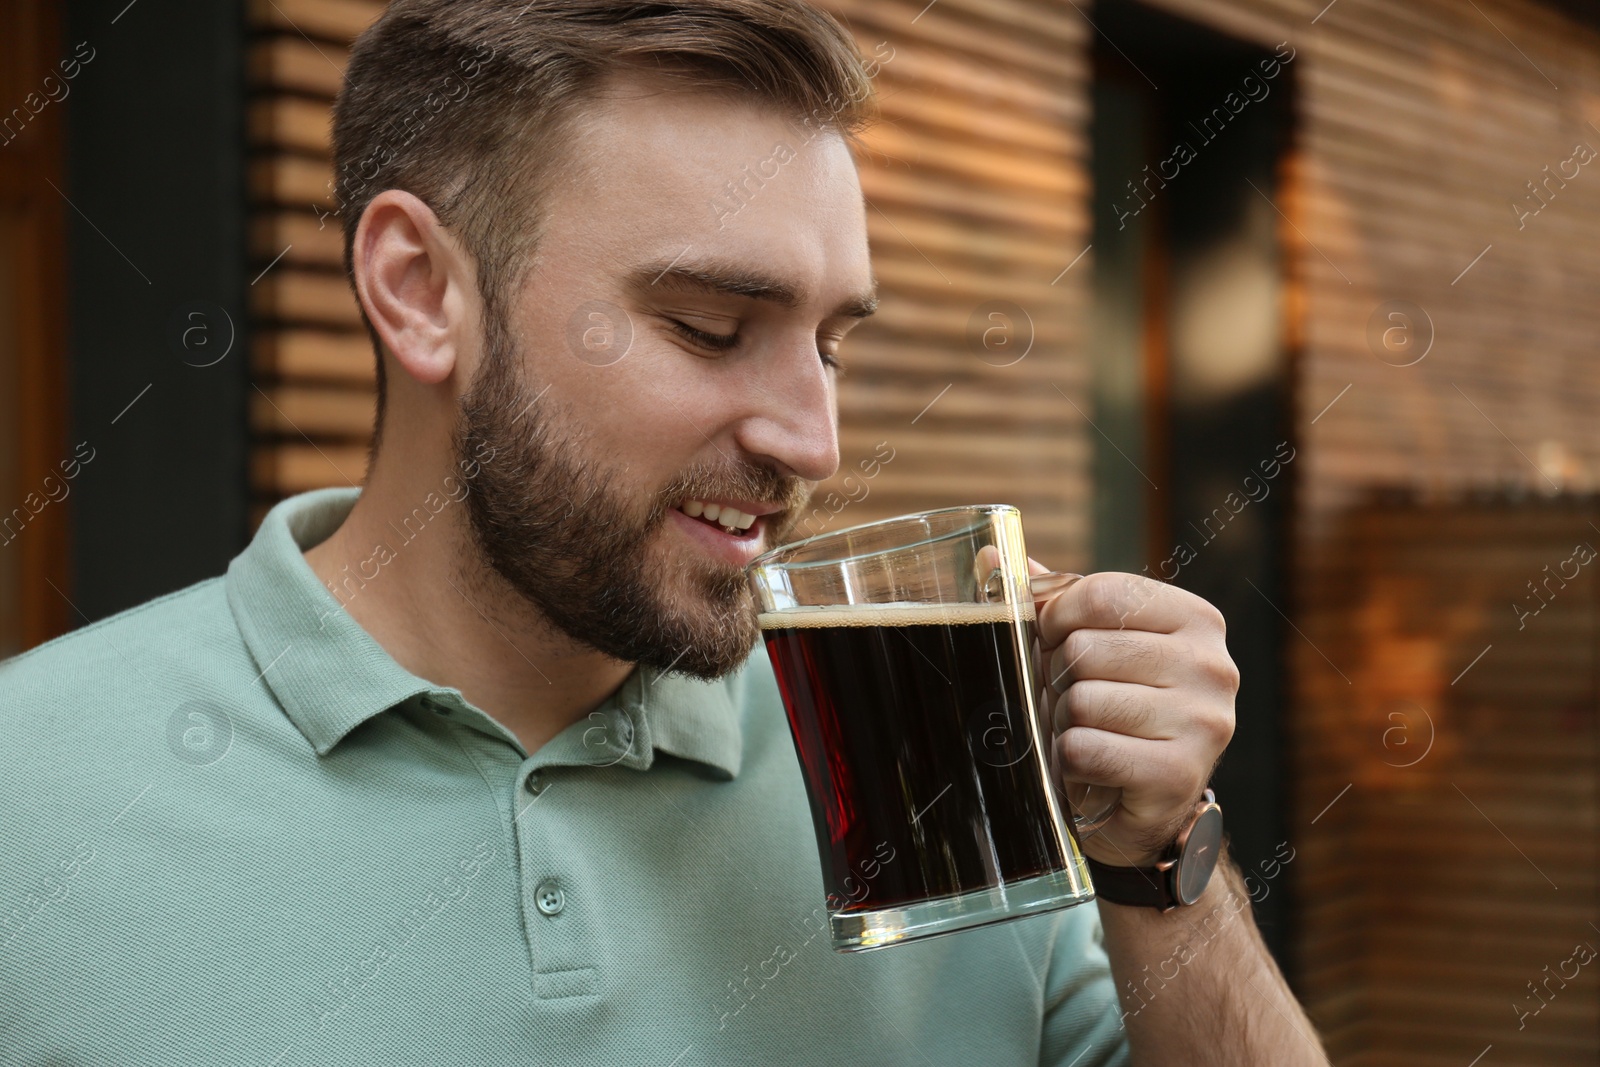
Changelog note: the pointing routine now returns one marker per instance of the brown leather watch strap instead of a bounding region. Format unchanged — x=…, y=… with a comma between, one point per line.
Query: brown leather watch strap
x=1138, y=887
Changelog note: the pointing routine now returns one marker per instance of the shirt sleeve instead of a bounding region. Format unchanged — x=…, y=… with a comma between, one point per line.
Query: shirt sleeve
x=1082, y=1021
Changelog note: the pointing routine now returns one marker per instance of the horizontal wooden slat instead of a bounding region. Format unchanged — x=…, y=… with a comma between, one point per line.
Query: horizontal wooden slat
x=339, y=21
x=1000, y=173
x=302, y=238
x=935, y=254
x=288, y=63
x=290, y=122
x=979, y=39
x=313, y=355
x=284, y=469
x=1044, y=218
x=916, y=65
x=292, y=181
x=313, y=411
x=301, y=297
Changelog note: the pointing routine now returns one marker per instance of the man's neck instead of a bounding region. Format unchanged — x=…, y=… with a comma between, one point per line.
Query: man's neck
x=418, y=589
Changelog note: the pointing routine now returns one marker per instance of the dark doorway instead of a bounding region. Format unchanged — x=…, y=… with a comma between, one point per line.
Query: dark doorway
x=1195, y=458
x=156, y=286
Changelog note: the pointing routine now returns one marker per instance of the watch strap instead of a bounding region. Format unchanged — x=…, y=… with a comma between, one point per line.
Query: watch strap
x=1155, y=886
x=1138, y=887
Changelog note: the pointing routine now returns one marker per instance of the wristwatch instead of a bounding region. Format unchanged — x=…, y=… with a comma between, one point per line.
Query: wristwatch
x=1177, y=880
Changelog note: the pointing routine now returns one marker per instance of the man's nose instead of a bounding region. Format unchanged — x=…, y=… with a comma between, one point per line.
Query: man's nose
x=793, y=420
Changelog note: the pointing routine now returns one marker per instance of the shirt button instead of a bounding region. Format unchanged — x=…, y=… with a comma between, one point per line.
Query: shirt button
x=535, y=783
x=549, y=898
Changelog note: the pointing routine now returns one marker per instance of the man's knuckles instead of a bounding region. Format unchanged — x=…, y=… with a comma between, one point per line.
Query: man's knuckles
x=1215, y=724
x=1112, y=598
x=1221, y=672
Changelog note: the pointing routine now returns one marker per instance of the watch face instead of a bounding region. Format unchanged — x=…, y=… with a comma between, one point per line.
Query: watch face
x=1200, y=854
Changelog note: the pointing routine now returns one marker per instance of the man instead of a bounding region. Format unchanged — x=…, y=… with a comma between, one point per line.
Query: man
x=477, y=766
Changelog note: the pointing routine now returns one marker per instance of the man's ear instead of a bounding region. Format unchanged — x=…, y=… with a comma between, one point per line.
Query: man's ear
x=412, y=278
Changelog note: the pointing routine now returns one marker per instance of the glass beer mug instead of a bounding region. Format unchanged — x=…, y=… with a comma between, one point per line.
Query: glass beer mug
x=907, y=655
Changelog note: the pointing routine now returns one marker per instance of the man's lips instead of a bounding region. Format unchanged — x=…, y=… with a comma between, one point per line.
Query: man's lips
x=736, y=549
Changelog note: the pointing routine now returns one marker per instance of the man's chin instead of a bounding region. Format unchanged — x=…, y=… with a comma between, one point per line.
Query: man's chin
x=706, y=657
x=690, y=616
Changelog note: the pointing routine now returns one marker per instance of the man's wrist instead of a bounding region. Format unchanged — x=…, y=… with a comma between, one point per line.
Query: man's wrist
x=1225, y=896
x=1178, y=875
x=1108, y=854
x=1105, y=850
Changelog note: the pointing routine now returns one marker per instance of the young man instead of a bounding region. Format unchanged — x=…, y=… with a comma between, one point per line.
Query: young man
x=477, y=766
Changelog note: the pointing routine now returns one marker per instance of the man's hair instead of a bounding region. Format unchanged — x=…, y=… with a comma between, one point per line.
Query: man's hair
x=470, y=105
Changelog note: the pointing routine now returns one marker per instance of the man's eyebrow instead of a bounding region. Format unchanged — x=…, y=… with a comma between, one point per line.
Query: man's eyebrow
x=740, y=281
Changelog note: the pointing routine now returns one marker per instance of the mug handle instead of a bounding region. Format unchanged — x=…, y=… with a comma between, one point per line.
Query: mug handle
x=1092, y=805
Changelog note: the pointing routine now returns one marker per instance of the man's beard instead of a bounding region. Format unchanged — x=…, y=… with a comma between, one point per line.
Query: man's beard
x=549, y=518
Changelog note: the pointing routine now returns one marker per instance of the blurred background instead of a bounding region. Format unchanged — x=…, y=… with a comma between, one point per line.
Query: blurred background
x=1292, y=303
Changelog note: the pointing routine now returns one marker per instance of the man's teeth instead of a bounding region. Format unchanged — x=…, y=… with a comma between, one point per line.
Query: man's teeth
x=726, y=517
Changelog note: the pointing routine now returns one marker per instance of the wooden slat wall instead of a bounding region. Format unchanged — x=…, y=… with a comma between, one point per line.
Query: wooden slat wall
x=312, y=416
x=1450, y=876
x=977, y=186
x=1419, y=123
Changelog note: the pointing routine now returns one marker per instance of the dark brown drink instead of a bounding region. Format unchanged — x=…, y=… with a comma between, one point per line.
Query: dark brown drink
x=918, y=749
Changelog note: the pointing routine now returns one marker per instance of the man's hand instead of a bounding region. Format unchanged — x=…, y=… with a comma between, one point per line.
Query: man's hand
x=1142, y=692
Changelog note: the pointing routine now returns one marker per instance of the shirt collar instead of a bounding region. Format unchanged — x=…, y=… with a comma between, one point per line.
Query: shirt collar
x=329, y=675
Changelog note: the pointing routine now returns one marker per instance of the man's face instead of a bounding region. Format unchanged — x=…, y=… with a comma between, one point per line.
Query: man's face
x=668, y=352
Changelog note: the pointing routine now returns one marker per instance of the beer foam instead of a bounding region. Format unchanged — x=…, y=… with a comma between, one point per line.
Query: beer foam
x=893, y=615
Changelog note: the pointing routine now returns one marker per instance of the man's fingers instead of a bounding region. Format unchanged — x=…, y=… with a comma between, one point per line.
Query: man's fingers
x=1159, y=782
x=1124, y=656
x=1142, y=711
x=1147, y=771
x=1116, y=707
x=1113, y=601
x=984, y=564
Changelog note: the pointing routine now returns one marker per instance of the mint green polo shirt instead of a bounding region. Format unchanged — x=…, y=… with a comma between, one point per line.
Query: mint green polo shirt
x=236, y=831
